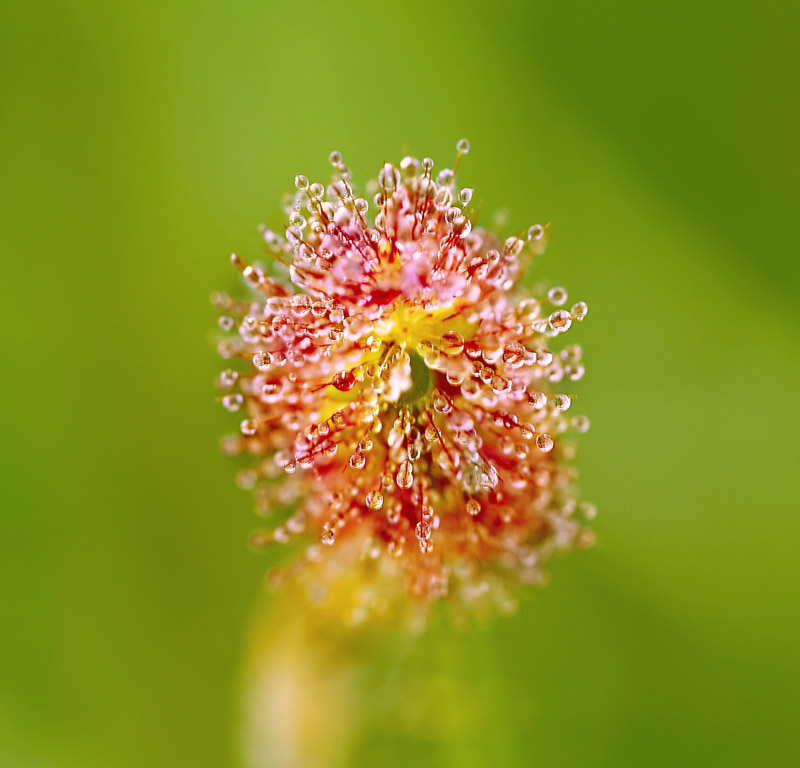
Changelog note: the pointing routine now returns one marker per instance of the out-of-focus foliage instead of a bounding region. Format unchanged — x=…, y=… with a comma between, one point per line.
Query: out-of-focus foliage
x=141, y=143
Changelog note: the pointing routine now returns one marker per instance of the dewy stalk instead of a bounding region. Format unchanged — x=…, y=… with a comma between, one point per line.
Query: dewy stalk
x=402, y=398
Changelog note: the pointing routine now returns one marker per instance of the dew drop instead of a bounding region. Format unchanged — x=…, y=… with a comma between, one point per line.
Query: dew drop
x=358, y=460
x=557, y=296
x=560, y=320
x=227, y=378
x=249, y=427
x=544, y=442
x=513, y=246
x=445, y=177
x=473, y=507
x=405, y=475
x=328, y=537
x=462, y=147
x=389, y=177
x=562, y=402
x=344, y=381
x=537, y=399
x=579, y=310
x=580, y=424
x=536, y=232
x=452, y=343
x=513, y=354
x=374, y=500
x=588, y=510
x=297, y=220
x=262, y=361
x=232, y=403
x=440, y=402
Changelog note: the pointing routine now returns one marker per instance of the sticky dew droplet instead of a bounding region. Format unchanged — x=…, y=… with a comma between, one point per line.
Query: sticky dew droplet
x=374, y=500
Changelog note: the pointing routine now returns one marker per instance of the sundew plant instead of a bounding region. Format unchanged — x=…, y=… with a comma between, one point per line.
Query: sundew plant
x=403, y=397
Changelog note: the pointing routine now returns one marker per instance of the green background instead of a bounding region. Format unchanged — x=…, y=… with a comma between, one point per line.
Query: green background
x=141, y=143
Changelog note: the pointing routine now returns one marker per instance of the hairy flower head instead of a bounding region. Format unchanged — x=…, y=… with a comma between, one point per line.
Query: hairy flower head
x=401, y=396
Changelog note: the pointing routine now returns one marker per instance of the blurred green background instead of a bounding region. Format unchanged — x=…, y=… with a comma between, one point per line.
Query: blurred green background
x=141, y=143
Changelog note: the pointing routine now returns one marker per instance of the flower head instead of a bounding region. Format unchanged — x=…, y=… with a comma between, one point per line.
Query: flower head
x=400, y=394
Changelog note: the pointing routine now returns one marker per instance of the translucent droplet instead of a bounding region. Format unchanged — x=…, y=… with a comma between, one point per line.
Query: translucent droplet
x=297, y=220
x=544, y=442
x=452, y=343
x=488, y=478
x=301, y=182
x=445, y=177
x=328, y=537
x=462, y=226
x=560, y=320
x=232, y=402
x=465, y=196
x=536, y=232
x=579, y=310
x=557, y=296
x=537, y=399
x=246, y=479
x=389, y=177
x=405, y=475
x=575, y=373
x=513, y=246
x=374, y=500
x=462, y=147
x=344, y=381
x=335, y=157
x=249, y=427
x=225, y=323
x=473, y=507
x=440, y=402
x=262, y=360
x=513, y=354
x=588, y=510
x=358, y=460
x=423, y=530
x=544, y=357
x=580, y=423
x=562, y=402
x=227, y=379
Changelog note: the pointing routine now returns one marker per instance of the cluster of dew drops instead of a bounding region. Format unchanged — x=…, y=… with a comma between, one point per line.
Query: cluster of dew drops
x=462, y=447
